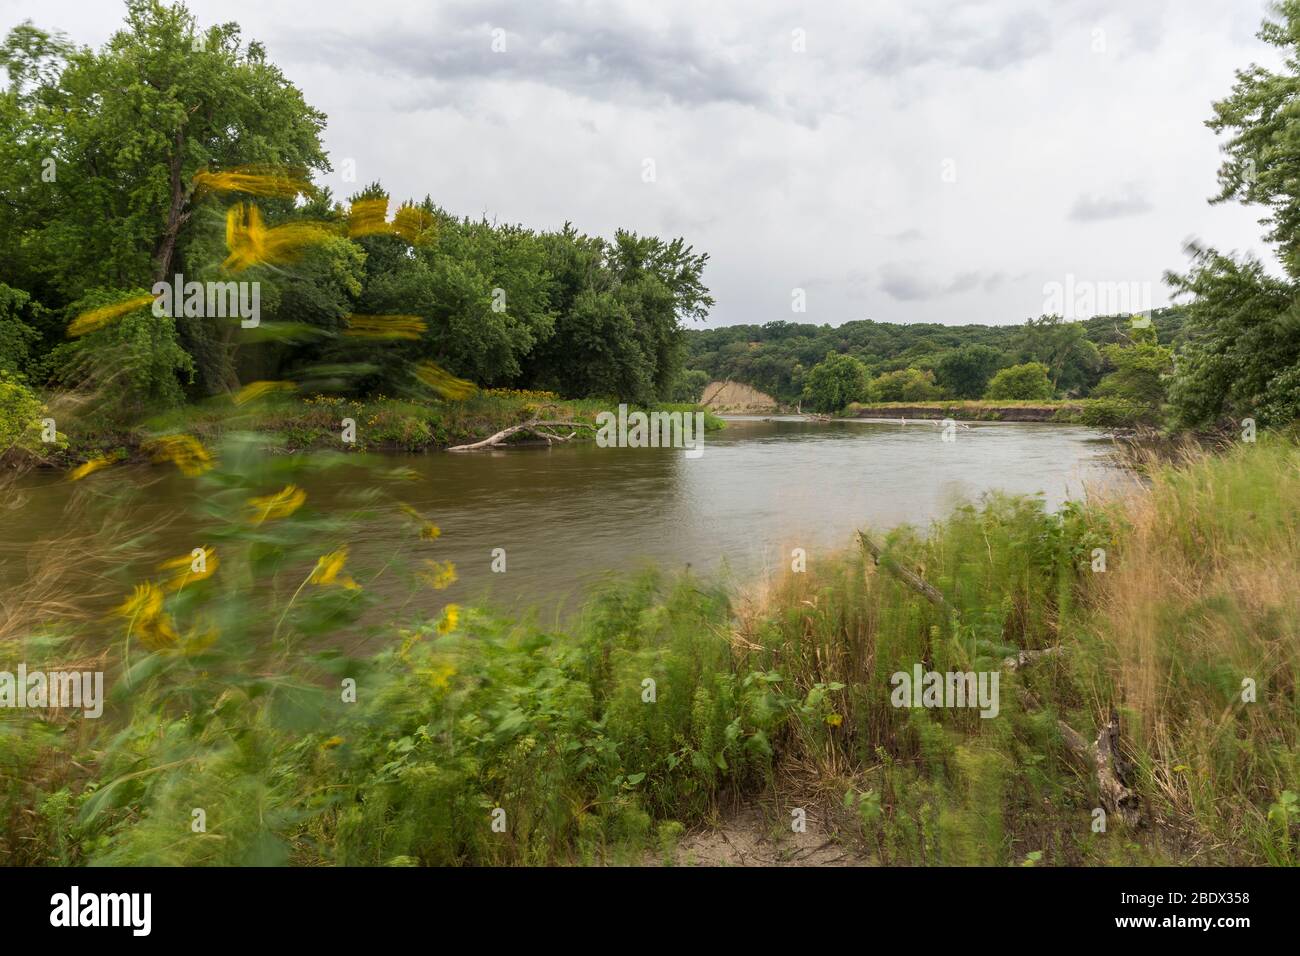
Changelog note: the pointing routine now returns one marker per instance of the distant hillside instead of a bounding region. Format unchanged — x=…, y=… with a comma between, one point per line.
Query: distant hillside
x=774, y=357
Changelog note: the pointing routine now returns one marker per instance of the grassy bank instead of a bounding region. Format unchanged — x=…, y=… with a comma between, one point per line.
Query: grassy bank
x=672, y=701
x=295, y=424
x=972, y=410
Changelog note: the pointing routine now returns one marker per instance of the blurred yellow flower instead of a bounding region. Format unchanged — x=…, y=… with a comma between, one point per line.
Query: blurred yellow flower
x=144, y=612
x=282, y=183
x=190, y=567
x=368, y=217
x=89, y=468
x=443, y=382
x=255, y=390
x=385, y=326
x=279, y=505
x=439, y=576
x=834, y=720
x=332, y=743
x=251, y=243
x=450, y=618
x=184, y=451
x=440, y=675
x=96, y=319
x=410, y=221
x=328, y=568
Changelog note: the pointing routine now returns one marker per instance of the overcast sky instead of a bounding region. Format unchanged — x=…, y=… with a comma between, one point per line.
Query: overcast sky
x=904, y=161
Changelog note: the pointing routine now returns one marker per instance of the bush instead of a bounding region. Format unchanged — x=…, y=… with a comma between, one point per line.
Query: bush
x=834, y=382
x=905, y=385
x=1027, y=382
x=20, y=415
x=1116, y=413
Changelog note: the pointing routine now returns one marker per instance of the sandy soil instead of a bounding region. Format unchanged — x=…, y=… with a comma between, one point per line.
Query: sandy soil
x=734, y=398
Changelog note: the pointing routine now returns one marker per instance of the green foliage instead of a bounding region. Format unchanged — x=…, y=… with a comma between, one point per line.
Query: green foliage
x=904, y=385
x=135, y=364
x=1021, y=382
x=834, y=382
x=20, y=414
x=17, y=338
x=965, y=372
x=1070, y=357
x=1244, y=340
x=688, y=386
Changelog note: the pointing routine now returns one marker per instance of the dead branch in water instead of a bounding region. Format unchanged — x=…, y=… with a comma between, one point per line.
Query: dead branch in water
x=535, y=426
x=1102, y=758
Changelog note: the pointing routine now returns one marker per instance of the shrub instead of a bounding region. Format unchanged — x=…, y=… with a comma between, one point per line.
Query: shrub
x=1027, y=382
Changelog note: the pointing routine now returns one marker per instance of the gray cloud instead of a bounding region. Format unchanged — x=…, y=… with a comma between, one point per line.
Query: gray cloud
x=605, y=56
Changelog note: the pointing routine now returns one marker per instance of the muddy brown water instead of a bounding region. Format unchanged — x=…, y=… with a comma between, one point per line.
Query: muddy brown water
x=569, y=516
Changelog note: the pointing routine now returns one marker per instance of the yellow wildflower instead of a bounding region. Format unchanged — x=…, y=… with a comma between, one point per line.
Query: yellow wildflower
x=443, y=382
x=368, y=217
x=90, y=467
x=184, y=451
x=96, y=319
x=450, y=618
x=144, y=611
x=279, y=505
x=385, y=326
x=191, y=567
x=255, y=390
x=251, y=243
x=410, y=221
x=328, y=568
x=196, y=642
x=428, y=530
x=439, y=675
x=331, y=743
x=834, y=720
x=439, y=576
x=271, y=181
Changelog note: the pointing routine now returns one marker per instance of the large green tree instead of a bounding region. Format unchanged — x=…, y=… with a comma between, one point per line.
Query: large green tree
x=1242, y=345
x=100, y=148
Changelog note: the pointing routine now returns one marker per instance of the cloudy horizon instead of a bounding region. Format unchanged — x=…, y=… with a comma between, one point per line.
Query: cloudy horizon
x=919, y=162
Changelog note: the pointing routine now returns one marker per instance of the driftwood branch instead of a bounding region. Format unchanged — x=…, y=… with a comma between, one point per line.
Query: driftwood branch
x=908, y=577
x=1018, y=661
x=535, y=426
x=1101, y=758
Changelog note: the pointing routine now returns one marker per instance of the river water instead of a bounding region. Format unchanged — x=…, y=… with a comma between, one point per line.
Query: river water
x=566, y=516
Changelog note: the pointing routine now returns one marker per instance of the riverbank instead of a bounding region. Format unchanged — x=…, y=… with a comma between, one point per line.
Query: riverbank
x=481, y=739
x=299, y=424
x=1066, y=412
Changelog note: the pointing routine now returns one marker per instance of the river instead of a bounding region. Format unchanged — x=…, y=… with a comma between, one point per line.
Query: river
x=566, y=516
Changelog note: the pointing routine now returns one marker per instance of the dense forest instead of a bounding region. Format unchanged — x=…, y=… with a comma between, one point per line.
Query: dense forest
x=921, y=361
